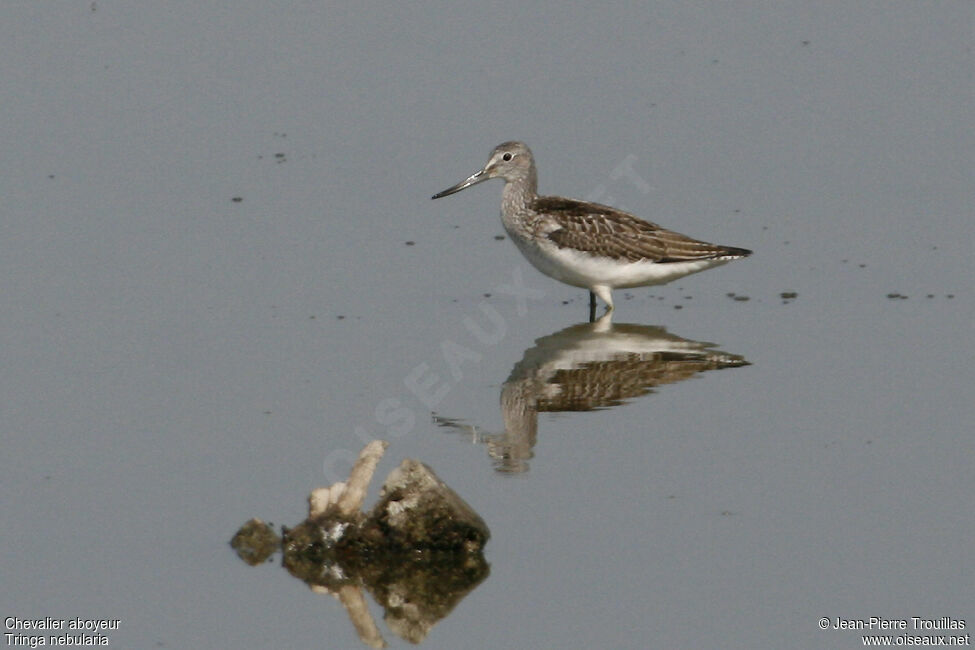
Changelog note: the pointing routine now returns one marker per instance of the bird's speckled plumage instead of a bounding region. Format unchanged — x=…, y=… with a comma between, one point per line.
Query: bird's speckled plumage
x=607, y=232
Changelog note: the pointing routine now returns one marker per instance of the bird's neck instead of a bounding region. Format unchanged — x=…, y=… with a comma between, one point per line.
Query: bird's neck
x=519, y=194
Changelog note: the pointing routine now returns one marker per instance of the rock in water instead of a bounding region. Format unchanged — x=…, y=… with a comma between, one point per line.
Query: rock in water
x=418, y=510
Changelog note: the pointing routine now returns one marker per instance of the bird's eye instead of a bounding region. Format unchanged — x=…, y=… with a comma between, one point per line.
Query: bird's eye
x=506, y=157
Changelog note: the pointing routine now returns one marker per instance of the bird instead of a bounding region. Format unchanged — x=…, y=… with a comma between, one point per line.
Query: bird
x=586, y=244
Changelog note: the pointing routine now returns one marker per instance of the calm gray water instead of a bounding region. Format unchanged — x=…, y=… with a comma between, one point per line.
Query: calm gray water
x=175, y=361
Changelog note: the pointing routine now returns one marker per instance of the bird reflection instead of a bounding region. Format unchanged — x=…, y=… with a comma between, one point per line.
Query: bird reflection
x=586, y=367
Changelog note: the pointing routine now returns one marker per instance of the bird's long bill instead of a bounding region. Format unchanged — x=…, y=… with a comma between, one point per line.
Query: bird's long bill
x=473, y=179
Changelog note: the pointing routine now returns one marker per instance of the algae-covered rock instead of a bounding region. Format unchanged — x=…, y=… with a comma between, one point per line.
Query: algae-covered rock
x=417, y=510
x=419, y=551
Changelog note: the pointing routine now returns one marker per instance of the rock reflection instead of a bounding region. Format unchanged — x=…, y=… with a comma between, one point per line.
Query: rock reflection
x=586, y=367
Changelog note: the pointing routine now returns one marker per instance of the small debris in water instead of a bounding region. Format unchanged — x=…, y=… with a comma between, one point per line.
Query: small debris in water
x=678, y=306
x=499, y=237
x=487, y=295
x=255, y=542
x=788, y=296
x=411, y=243
x=741, y=298
x=896, y=296
x=237, y=199
x=340, y=317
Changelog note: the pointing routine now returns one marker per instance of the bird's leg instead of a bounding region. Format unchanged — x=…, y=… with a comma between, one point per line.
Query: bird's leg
x=605, y=293
x=592, y=307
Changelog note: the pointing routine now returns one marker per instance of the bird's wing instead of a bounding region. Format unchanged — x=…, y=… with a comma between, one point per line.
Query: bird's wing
x=608, y=232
